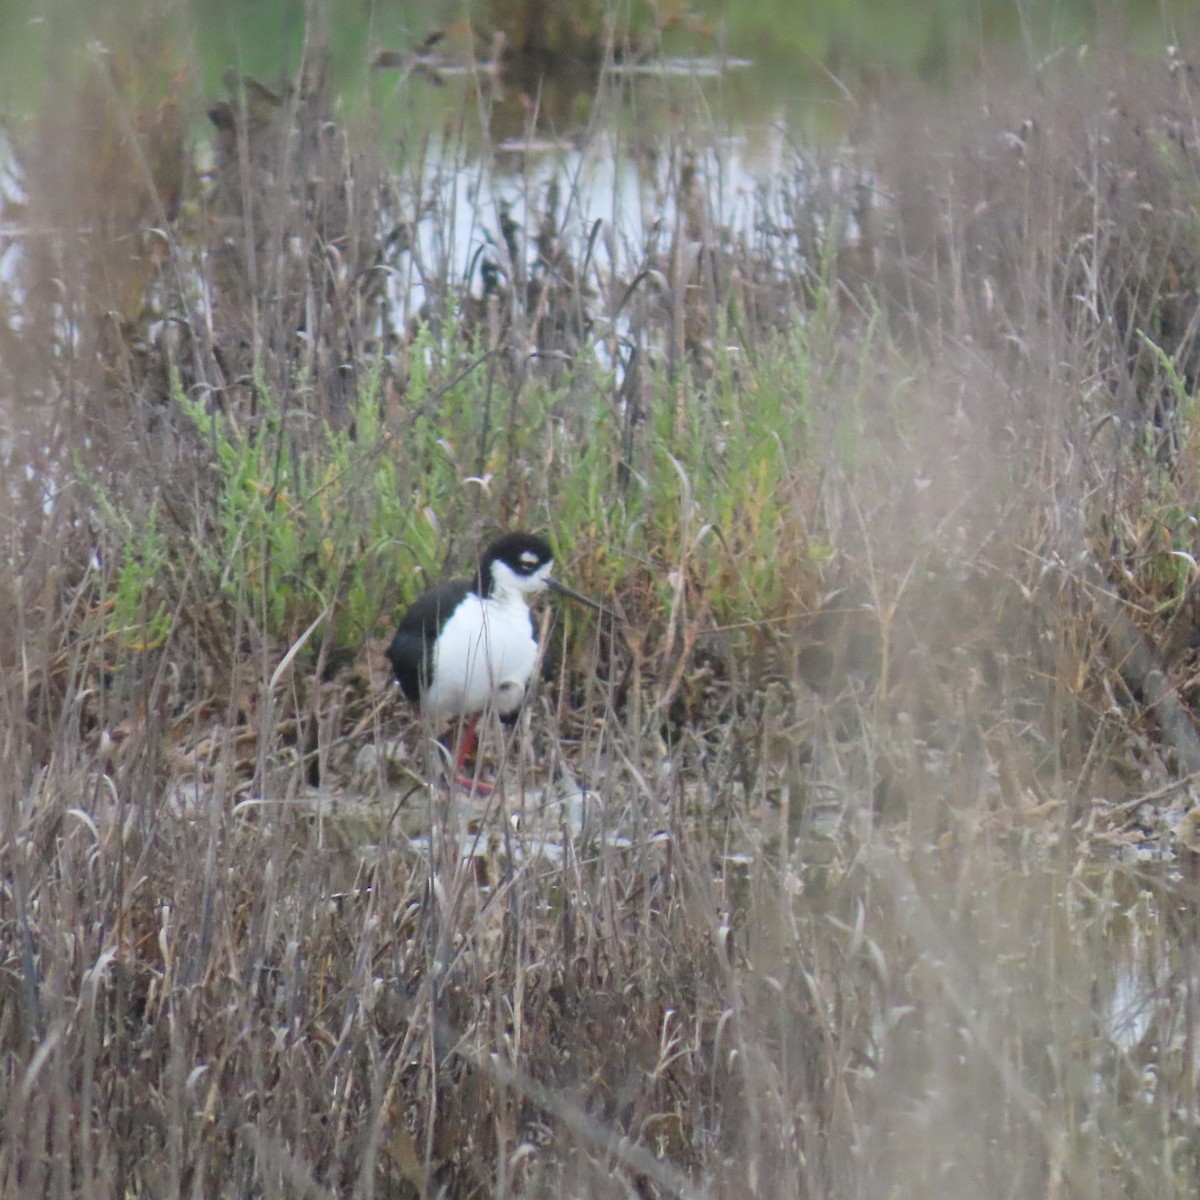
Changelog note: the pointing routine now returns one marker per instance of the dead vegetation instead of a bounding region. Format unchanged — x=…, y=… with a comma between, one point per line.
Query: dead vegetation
x=859, y=860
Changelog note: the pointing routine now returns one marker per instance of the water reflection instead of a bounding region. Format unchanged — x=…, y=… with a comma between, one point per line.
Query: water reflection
x=634, y=196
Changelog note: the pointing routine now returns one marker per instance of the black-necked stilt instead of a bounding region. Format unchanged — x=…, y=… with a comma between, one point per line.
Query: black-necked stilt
x=468, y=644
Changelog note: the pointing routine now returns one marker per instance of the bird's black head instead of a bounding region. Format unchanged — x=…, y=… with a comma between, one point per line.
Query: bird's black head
x=523, y=559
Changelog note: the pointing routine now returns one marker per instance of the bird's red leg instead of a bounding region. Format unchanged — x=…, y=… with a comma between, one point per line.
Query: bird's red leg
x=466, y=747
x=467, y=742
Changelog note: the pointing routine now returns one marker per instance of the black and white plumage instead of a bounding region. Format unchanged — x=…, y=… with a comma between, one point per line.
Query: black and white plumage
x=468, y=644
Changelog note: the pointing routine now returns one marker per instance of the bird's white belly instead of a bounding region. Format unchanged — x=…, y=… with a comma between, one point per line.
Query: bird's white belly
x=485, y=654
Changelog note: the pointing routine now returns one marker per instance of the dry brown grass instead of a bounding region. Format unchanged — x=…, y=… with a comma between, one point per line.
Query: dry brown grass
x=893, y=895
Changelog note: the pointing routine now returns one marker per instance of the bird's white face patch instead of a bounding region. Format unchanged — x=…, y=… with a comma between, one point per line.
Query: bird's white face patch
x=526, y=582
x=528, y=559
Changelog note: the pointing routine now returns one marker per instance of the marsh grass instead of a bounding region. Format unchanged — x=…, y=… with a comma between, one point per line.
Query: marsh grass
x=854, y=857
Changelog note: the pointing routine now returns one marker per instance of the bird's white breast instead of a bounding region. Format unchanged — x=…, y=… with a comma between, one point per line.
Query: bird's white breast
x=485, y=654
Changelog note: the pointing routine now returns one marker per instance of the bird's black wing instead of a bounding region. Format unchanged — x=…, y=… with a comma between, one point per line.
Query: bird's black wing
x=411, y=651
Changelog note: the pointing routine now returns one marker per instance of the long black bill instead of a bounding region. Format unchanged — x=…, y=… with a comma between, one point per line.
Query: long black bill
x=563, y=590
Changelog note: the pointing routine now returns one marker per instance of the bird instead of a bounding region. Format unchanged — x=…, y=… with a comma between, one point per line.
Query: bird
x=468, y=644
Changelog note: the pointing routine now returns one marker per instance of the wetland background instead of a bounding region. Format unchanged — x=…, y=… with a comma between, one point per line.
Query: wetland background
x=848, y=352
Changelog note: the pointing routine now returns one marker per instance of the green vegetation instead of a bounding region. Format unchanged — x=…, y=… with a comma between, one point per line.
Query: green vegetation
x=140, y=619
